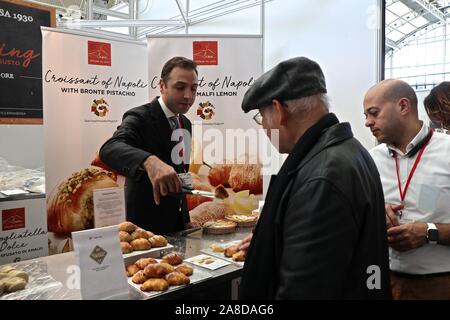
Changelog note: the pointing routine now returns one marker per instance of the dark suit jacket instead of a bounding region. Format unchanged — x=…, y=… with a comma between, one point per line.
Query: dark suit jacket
x=322, y=231
x=145, y=131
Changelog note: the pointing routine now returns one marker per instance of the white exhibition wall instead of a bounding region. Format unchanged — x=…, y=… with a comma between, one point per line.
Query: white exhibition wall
x=340, y=35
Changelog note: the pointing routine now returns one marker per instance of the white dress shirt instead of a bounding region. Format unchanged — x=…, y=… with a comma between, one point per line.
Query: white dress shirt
x=427, y=198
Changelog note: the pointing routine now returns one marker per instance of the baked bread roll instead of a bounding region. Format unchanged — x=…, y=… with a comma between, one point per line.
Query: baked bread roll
x=127, y=226
x=139, y=277
x=209, y=211
x=143, y=262
x=139, y=233
x=219, y=174
x=125, y=247
x=230, y=251
x=155, y=271
x=70, y=207
x=19, y=274
x=246, y=177
x=167, y=267
x=177, y=278
x=155, y=285
x=132, y=269
x=185, y=269
x=172, y=259
x=239, y=256
x=158, y=241
x=6, y=269
x=124, y=236
x=150, y=234
x=140, y=244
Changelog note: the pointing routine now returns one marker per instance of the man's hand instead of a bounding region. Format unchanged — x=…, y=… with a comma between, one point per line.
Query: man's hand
x=245, y=243
x=162, y=176
x=407, y=236
x=392, y=213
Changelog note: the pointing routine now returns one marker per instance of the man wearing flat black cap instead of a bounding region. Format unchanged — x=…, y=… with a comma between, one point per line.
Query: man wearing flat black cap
x=321, y=233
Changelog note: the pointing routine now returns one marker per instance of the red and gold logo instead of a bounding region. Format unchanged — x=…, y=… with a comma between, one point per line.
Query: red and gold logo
x=205, y=53
x=100, y=107
x=13, y=219
x=205, y=110
x=99, y=53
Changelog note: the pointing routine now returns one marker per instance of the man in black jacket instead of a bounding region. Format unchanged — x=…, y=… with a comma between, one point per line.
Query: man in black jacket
x=144, y=150
x=321, y=233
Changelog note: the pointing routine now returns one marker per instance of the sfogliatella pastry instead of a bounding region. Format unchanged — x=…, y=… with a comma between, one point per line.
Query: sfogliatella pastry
x=155, y=285
x=140, y=244
x=177, y=278
x=70, y=207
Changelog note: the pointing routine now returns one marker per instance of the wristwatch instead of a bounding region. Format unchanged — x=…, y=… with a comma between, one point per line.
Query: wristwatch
x=432, y=233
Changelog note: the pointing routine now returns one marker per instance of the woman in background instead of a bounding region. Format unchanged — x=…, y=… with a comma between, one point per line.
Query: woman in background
x=437, y=105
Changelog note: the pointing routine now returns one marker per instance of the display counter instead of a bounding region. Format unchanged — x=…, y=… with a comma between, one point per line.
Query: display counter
x=222, y=284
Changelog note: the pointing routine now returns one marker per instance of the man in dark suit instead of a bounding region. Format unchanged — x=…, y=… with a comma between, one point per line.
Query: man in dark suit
x=151, y=146
x=321, y=233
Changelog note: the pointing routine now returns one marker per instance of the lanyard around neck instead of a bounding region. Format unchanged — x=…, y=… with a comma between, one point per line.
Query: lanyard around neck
x=416, y=163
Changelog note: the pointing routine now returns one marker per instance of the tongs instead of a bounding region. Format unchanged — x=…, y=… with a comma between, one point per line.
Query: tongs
x=187, y=187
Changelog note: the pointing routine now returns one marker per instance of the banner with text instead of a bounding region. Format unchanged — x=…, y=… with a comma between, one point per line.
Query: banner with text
x=225, y=141
x=88, y=84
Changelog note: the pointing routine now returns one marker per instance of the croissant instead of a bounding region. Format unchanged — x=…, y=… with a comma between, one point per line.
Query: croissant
x=230, y=251
x=177, y=278
x=209, y=211
x=239, y=256
x=172, y=259
x=127, y=226
x=141, y=244
x=70, y=207
x=139, y=277
x=125, y=247
x=155, y=285
x=246, y=177
x=167, y=267
x=139, y=233
x=158, y=241
x=143, y=262
x=155, y=271
x=124, y=236
x=220, y=174
x=132, y=269
x=185, y=269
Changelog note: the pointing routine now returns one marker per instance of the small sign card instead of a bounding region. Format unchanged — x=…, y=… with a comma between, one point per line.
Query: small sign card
x=109, y=207
x=208, y=262
x=99, y=257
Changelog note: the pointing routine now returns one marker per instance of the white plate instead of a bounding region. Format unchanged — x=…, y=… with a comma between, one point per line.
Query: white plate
x=197, y=276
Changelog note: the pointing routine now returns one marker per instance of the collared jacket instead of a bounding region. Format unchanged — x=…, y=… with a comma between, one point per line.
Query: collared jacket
x=145, y=131
x=322, y=231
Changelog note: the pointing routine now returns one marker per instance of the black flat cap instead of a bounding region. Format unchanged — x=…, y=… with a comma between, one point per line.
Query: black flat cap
x=291, y=79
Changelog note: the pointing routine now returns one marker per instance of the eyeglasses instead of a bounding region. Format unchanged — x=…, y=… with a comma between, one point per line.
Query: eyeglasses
x=258, y=118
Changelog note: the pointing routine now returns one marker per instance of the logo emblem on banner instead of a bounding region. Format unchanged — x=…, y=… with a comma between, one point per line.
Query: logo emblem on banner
x=99, y=53
x=100, y=107
x=206, y=110
x=13, y=219
x=205, y=53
